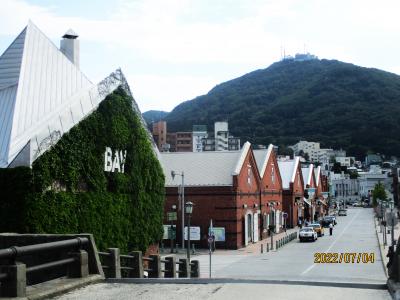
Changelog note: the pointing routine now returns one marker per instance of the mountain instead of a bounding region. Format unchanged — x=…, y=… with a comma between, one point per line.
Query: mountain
x=151, y=116
x=339, y=104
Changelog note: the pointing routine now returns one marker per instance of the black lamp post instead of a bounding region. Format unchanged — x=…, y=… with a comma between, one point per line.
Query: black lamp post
x=172, y=230
x=188, y=210
x=272, y=227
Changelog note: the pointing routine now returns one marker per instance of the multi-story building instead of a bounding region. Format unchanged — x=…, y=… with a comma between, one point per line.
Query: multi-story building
x=343, y=188
x=368, y=180
x=160, y=134
x=220, y=140
x=345, y=161
x=310, y=148
x=196, y=141
x=184, y=142
x=373, y=159
x=171, y=141
x=199, y=134
x=221, y=134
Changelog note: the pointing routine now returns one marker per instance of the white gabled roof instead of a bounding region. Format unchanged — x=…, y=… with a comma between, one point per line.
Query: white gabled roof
x=317, y=173
x=287, y=169
x=43, y=95
x=209, y=168
x=307, y=174
x=262, y=157
x=36, y=81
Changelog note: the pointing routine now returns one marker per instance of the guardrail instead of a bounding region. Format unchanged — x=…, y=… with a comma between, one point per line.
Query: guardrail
x=13, y=274
x=280, y=242
x=134, y=265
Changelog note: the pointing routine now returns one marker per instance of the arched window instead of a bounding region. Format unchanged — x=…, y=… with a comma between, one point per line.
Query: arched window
x=249, y=174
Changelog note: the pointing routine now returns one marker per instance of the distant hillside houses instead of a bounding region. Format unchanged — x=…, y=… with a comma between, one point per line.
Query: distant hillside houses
x=197, y=140
x=313, y=152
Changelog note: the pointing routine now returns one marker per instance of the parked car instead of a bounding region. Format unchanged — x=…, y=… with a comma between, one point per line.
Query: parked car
x=318, y=229
x=328, y=220
x=342, y=212
x=307, y=233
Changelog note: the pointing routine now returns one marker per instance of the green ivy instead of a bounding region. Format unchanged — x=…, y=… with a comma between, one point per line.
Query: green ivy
x=121, y=209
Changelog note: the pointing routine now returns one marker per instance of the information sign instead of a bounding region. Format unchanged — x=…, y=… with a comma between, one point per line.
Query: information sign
x=194, y=233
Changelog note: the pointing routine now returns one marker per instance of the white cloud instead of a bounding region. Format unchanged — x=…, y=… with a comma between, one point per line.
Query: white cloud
x=240, y=34
x=158, y=92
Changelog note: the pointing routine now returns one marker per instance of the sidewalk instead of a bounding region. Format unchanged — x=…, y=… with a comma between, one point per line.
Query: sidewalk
x=250, y=249
x=384, y=248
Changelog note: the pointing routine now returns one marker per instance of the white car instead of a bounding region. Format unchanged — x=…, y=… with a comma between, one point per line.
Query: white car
x=307, y=233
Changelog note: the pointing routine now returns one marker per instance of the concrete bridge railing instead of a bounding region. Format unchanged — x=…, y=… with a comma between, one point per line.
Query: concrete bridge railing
x=134, y=265
x=14, y=272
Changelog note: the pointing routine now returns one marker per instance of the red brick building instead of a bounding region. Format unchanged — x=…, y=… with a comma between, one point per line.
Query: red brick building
x=271, y=197
x=293, y=190
x=322, y=206
x=310, y=200
x=225, y=187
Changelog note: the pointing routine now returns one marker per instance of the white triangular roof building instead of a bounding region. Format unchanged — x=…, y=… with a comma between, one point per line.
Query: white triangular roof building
x=42, y=96
x=208, y=168
x=262, y=157
x=288, y=170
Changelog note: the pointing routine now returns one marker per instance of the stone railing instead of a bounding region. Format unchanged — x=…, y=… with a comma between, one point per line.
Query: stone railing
x=135, y=265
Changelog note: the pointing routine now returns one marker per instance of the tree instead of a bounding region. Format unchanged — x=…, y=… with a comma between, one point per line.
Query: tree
x=306, y=156
x=354, y=175
x=378, y=193
x=337, y=168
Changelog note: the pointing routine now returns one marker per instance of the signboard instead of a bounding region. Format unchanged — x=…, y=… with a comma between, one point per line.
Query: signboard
x=169, y=232
x=194, y=233
x=172, y=216
x=219, y=234
x=114, y=161
x=285, y=215
x=391, y=217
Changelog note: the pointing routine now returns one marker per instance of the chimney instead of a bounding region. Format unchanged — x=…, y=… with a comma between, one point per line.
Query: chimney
x=69, y=45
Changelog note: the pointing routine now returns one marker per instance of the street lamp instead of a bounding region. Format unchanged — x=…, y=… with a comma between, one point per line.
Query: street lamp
x=173, y=174
x=325, y=195
x=172, y=228
x=391, y=203
x=271, y=227
x=189, y=210
x=311, y=193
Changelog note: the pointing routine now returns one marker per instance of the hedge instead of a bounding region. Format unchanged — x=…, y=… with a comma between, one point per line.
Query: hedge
x=68, y=191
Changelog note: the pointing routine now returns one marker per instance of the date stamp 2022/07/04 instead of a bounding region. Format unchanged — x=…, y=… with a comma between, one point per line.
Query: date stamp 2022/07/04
x=347, y=258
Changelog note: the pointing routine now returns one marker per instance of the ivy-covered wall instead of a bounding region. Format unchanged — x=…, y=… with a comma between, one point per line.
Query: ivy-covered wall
x=68, y=191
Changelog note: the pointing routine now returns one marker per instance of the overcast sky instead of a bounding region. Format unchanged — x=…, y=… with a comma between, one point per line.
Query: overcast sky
x=175, y=50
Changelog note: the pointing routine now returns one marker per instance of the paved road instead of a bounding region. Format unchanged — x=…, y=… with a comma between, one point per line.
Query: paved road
x=220, y=291
x=295, y=261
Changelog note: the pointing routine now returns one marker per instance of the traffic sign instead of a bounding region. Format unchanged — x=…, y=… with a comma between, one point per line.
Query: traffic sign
x=172, y=216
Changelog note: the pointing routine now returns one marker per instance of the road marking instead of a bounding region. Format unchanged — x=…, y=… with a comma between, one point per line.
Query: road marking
x=333, y=243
